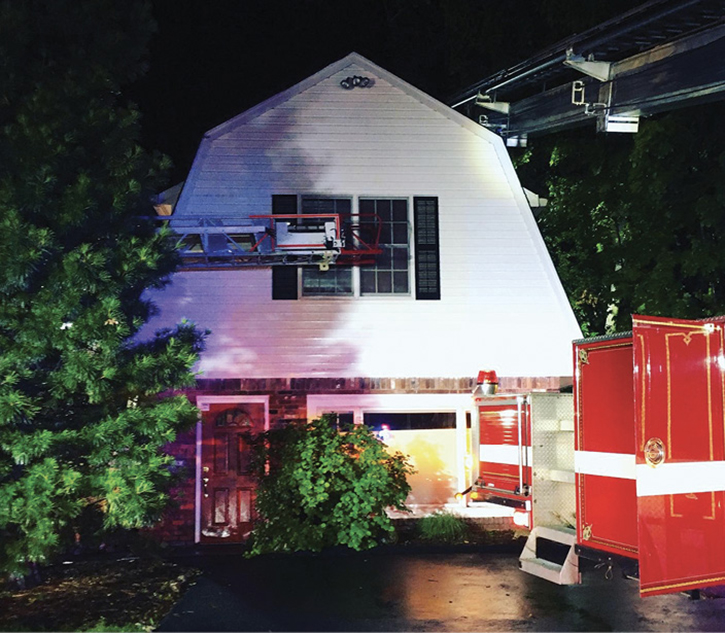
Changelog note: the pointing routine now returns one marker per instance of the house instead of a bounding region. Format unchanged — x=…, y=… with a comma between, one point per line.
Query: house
x=461, y=281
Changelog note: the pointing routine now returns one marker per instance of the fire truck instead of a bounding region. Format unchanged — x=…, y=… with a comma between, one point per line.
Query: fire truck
x=628, y=469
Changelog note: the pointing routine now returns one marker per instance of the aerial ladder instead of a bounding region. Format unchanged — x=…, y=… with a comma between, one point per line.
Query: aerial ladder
x=277, y=240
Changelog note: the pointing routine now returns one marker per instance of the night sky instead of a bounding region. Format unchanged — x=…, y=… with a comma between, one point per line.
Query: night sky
x=213, y=59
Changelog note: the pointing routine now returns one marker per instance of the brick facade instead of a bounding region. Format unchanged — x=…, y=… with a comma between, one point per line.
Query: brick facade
x=287, y=402
x=288, y=396
x=177, y=525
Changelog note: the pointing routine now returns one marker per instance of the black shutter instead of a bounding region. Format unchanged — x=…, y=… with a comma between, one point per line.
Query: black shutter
x=427, y=251
x=284, y=278
x=284, y=282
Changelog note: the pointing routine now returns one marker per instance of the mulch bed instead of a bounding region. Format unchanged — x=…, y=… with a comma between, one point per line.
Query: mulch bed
x=99, y=594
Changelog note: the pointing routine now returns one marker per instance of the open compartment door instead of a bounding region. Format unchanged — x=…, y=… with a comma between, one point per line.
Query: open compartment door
x=680, y=453
x=605, y=445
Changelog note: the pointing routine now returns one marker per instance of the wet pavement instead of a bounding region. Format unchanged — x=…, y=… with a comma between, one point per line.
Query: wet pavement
x=480, y=590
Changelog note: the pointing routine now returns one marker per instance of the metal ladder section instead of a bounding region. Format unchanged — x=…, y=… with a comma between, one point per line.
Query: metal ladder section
x=564, y=573
x=280, y=239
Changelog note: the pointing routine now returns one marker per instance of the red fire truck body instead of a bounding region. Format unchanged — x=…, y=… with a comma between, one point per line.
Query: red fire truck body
x=606, y=497
x=648, y=459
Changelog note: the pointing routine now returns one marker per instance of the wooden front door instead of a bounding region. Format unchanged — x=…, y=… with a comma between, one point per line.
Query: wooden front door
x=227, y=504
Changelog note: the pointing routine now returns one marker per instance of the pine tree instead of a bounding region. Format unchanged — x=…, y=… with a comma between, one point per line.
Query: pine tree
x=82, y=421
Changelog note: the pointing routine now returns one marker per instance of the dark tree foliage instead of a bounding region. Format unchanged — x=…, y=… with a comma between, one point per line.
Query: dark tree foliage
x=636, y=224
x=320, y=487
x=81, y=422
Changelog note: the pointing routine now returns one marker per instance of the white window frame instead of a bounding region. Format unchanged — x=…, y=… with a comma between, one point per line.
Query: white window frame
x=408, y=202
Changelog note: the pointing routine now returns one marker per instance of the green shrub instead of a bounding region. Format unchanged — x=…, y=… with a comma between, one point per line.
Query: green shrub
x=443, y=527
x=321, y=487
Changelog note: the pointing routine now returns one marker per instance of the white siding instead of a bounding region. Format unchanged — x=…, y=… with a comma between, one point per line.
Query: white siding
x=502, y=305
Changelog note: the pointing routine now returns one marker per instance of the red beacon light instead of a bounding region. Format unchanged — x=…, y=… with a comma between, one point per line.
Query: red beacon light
x=488, y=380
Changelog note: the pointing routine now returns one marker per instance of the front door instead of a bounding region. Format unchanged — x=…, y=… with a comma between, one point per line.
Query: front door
x=227, y=502
x=680, y=453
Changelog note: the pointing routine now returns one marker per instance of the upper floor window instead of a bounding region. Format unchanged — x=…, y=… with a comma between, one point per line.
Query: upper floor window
x=337, y=281
x=390, y=272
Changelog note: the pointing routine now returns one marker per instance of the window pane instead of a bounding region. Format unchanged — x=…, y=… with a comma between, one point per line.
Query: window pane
x=400, y=282
x=336, y=281
x=410, y=421
x=384, y=209
x=386, y=234
x=400, y=259
x=384, y=261
x=385, y=283
x=400, y=233
x=244, y=505
x=221, y=506
x=400, y=211
x=340, y=420
x=367, y=206
x=326, y=205
x=318, y=205
x=367, y=281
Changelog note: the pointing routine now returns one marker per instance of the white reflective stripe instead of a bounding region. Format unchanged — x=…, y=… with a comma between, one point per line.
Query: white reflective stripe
x=619, y=465
x=503, y=454
x=680, y=478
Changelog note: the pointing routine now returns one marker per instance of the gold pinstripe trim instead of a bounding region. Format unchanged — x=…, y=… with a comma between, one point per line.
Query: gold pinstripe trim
x=679, y=585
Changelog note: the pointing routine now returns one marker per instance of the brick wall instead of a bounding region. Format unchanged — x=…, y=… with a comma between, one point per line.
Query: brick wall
x=288, y=396
x=177, y=525
x=288, y=401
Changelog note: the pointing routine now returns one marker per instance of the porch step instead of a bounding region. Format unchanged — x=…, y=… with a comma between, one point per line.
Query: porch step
x=562, y=542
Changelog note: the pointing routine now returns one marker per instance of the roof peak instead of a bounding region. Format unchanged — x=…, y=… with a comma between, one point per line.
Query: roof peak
x=329, y=70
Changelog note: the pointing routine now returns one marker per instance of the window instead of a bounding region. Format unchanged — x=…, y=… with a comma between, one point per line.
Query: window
x=340, y=420
x=410, y=421
x=338, y=280
x=389, y=274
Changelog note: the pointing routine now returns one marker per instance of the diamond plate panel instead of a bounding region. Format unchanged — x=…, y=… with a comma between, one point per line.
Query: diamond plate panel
x=552, y=448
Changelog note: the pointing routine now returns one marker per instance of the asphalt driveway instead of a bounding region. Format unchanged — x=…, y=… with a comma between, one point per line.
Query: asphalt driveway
x=383, y=590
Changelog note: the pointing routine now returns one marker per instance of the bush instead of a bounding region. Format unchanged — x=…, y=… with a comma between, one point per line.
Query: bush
x=443, y=527
x=320, y=487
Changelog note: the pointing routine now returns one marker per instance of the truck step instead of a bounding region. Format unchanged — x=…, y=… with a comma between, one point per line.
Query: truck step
x=549, y=554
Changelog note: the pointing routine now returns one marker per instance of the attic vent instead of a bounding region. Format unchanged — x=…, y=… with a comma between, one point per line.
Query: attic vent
x=355, y=82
